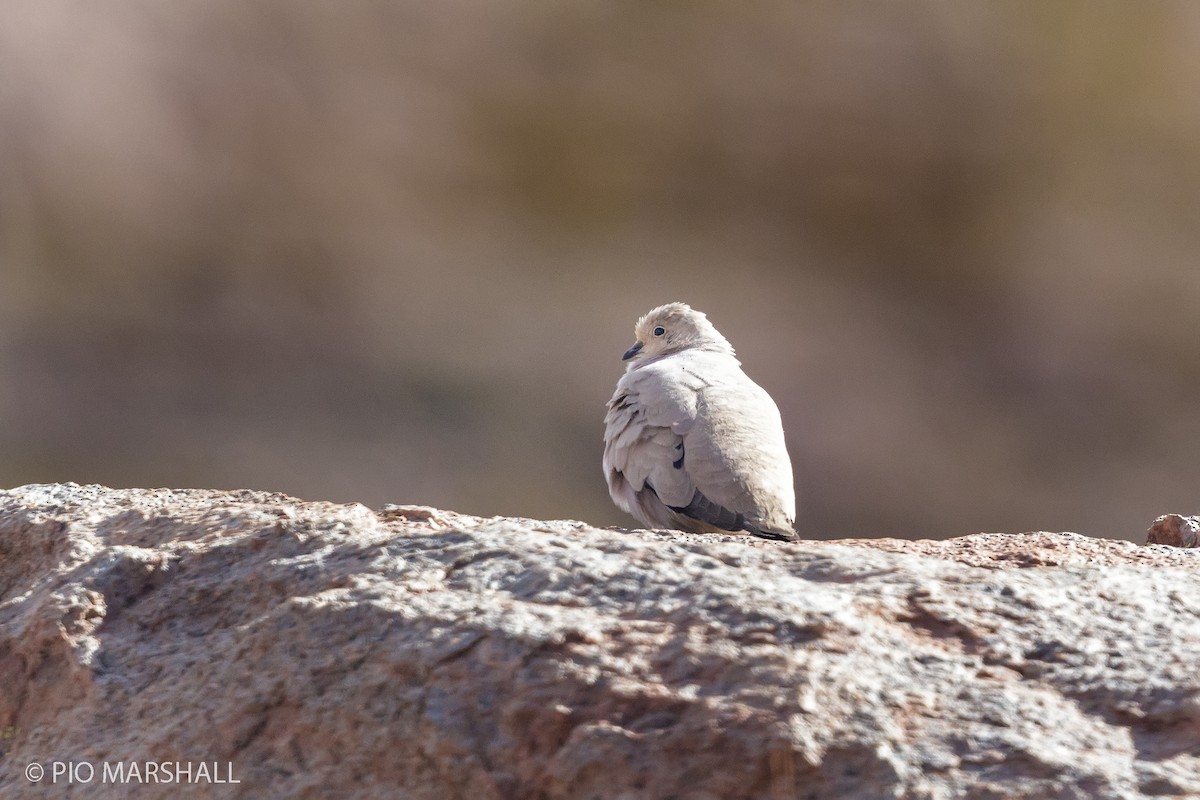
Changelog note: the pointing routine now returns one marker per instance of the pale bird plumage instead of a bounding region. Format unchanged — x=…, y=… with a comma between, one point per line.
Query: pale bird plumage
x=690, y=442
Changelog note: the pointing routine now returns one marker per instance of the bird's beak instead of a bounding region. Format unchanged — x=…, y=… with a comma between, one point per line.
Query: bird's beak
x=633, y=351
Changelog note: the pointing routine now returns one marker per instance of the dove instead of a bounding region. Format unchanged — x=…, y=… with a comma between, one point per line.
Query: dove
x=690, y=442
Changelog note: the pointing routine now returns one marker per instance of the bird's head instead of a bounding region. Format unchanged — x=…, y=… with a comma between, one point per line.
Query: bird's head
x=672, y=328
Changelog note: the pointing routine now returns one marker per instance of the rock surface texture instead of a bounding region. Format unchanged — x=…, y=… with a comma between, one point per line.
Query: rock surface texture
x=1175, y=530
x=329, y=651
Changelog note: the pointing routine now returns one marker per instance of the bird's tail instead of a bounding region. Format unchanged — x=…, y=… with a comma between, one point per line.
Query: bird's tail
x=776, y=534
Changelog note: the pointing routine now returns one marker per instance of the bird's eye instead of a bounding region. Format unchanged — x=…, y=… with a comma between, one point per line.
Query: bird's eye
x=660, y=330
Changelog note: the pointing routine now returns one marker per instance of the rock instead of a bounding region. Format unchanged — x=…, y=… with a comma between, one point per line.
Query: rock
x=313, y=650
x=1175, y=530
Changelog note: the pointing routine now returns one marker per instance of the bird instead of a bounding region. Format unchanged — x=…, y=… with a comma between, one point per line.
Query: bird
x=690, y=442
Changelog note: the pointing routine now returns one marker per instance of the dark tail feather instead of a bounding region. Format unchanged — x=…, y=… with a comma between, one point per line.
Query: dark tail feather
x=706, y=511
x=772, y=533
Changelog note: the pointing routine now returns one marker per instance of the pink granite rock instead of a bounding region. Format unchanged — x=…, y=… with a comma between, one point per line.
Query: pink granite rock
x=329, y=651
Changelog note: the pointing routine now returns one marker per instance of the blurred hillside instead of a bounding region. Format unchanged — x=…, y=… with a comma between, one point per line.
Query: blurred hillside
x=393, y=252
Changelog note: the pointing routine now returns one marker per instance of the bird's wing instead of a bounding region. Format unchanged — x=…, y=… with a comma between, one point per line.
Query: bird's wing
x=653, y=408
x=736, y=453
x=692, y=442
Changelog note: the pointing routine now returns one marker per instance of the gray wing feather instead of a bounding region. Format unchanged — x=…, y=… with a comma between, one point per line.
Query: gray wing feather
x=692, y=443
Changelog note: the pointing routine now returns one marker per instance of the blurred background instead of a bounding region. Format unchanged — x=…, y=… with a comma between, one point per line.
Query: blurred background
x=392, y=252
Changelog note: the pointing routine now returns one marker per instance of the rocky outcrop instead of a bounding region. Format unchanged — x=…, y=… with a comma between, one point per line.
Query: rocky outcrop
x=1175, y=530
x=312, y=650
